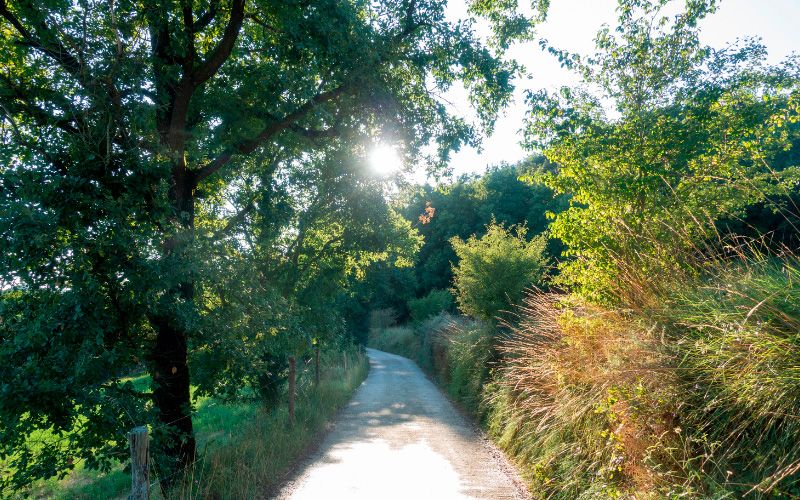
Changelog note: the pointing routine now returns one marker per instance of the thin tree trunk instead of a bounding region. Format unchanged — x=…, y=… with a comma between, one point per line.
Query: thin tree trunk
x=292, y=384
x=316, y=366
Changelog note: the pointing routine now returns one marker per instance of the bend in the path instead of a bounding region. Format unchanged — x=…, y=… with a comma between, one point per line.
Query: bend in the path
x=400, y=437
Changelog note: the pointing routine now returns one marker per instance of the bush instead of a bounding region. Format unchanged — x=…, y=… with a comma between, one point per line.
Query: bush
x=436, y=302
x=494, y=270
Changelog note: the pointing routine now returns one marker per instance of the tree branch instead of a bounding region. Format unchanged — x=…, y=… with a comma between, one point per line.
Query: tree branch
x=55, y=49
x=223, y=50
x=205, y=18
x=316, y=133
x=248, y=146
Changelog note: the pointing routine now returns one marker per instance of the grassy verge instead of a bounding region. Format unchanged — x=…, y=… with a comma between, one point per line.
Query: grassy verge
x=692, y=396
x=245, y=449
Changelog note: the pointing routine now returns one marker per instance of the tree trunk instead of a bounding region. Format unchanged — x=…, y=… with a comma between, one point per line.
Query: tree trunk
x=172, y=400
x=171, y=394
x=316, y=366
x=292, y=384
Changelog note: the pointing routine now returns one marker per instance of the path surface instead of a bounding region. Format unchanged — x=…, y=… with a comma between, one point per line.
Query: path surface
x=400, y=438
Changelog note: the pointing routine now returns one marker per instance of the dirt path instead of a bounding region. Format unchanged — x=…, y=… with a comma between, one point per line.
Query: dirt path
x=400, y=438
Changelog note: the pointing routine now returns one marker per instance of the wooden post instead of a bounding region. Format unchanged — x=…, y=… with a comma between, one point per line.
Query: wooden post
x=140, y=464
x=345, y=361
x=292, y=383
x=316, y=366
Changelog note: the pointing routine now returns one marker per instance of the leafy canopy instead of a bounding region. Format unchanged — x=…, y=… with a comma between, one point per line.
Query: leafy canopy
x=693, y=138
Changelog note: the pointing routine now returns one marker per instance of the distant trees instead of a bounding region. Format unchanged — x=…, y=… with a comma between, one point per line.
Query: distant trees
x=494, y=270
x=461, y=208
x=468, y=205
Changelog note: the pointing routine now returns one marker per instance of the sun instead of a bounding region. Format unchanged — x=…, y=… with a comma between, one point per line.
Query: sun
x=384, y=160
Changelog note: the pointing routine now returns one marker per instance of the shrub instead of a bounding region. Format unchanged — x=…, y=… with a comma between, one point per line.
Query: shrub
x=494, y=270
x=436, y=302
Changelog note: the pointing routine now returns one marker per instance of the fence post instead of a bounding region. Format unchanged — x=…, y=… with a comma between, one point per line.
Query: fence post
x=316, y=367
x=140, y=464
x=292, y=381
x=345, y=361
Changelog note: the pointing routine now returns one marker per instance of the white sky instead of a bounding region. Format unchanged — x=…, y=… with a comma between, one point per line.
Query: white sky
x=572, y=25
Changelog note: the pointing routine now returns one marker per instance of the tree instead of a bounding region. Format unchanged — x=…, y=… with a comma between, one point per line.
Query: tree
x=696, y=140
x=468, y=205
x=305, y=237
x=493, y=271
x=126, y=125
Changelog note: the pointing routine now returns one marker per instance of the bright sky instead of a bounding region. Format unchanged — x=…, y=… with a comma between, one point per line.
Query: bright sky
x=572, y=25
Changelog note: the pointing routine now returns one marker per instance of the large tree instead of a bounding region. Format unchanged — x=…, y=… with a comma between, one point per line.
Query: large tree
x=122, y=121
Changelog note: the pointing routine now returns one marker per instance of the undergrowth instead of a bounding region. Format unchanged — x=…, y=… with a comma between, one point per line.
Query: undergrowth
x=245, y=449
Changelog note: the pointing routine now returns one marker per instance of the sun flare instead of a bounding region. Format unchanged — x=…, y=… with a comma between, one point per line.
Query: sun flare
x=384, y=160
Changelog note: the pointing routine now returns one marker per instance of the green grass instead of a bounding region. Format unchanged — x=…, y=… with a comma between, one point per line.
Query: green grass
x=401, y=340
x=244, y=449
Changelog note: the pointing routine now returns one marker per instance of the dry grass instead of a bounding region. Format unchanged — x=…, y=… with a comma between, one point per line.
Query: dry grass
x=596, y=385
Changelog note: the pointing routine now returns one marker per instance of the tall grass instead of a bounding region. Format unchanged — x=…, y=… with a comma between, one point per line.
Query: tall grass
x=689, y=391
x=737, y=334
x=694, y=394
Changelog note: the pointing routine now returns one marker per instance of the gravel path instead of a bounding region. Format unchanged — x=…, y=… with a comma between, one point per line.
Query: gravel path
x=400, y=438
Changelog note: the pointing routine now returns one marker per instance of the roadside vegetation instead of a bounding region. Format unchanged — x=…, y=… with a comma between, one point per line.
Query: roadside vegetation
x=193, y=191
x=235, y=460
x=196, y=196
x=659, y=356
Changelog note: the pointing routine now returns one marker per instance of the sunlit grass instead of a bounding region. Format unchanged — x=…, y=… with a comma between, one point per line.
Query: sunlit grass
x=244, y=449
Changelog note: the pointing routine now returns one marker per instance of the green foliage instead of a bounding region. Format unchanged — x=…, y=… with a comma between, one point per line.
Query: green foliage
x=701, y=136
x=436, y=302
x=466, y=206
x=493, y=271
x=736, y=336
